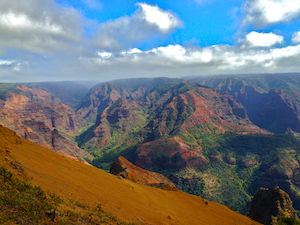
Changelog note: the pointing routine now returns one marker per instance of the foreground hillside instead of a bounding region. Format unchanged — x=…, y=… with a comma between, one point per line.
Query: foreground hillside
x=24, y=203
x=129, y=201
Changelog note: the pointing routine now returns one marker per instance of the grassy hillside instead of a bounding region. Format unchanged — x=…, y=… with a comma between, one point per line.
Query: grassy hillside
x=24, y=203
x=130, y=202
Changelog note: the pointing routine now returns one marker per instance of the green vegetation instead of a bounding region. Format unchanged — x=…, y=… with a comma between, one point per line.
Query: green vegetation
x=83, y=129
x=4, y=88
x=24, y=203
x=288, y=221
x=21, y=201
x=193, y=186
x=253, y=154
x=234, y=164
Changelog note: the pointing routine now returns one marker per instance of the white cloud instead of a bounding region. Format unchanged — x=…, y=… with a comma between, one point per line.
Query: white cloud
x=164, y=20
x=296, y=37
x=22, y=21
x=104, y=55
x=46, y=28
x=6, y=62
x=147, y=21
x=173, y=52
x=255, y=39
x=176, y=60
x=10, y=65
x=171, y=60
x=41, y=27
x=131, y=51
x=265, y=12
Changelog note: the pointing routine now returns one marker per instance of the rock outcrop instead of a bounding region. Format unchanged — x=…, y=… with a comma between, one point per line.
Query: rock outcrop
x=125, y=169
x=271, y=204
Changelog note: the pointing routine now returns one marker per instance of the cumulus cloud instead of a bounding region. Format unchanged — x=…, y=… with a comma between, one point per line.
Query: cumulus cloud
x=296, y=37
x=147, y=21
x=47, y=28
x=40, y=27
x=255, y=39
x=264, y=12
x=10, y=66
x=170, y=60
x=165, y=21
x=49, y=31
x=176, y=60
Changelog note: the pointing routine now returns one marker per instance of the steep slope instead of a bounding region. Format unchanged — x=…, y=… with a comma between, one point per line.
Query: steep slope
x=188, y=105
x=281, y=106
x=114, y=125
x=168, y=110
x=24, y=203
x=260, y=95
x=104, y=95
x=57, y=115
x=40, y=119
x=99, y=98
x=177, y=127
x=129, y=201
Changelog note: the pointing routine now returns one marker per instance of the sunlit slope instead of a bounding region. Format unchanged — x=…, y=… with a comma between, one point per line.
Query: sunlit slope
x=129, y=201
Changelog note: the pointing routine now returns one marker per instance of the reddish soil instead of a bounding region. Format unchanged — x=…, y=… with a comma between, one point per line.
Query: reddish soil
x=129, y=201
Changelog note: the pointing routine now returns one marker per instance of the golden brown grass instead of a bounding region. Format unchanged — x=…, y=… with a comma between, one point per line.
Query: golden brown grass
x=130, y=202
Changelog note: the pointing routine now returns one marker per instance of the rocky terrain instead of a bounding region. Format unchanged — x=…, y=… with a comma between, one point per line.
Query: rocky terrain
x=271, y=100
x=166, y=110
x=40, y=117
x=125, y=169
x=218, y=143
x=191, y=132
x=166, y=130
x=99, y=99
x=270, y=205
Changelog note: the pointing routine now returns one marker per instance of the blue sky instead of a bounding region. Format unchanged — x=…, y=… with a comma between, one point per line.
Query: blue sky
x=49, y=40
x=203, y=24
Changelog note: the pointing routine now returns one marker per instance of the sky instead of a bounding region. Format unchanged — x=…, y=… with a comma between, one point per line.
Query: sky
x=81, y=40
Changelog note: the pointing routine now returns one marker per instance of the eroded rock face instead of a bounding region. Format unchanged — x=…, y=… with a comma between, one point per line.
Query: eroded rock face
x=270, y=204
x=100, y=97
x=125, y=169
x=168, y=153
x=35, y=115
